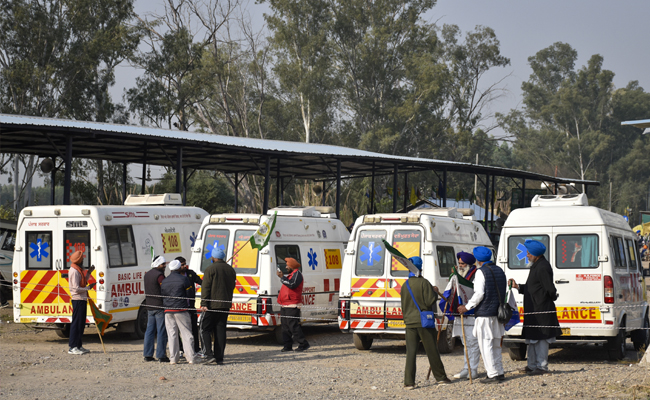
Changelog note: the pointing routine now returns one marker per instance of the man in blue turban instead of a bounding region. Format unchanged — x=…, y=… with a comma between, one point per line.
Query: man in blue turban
x=216, y=298
x=425, y=296
x=539, y=295
x=489, y=291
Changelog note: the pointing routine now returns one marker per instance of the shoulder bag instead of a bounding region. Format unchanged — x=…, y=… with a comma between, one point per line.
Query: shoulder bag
x=427, y=318
x=504, y=312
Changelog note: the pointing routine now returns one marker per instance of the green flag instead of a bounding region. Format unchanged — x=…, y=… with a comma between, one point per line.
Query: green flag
x=260, y=239
x=400, y=257
x=102, y=319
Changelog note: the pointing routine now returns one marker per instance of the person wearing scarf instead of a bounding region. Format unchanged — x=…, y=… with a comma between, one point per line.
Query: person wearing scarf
x=79, y=287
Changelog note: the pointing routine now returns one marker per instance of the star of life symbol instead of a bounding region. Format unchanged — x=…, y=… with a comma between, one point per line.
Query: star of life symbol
x=370, y=254
x=523, y=252
x=193, y=239
x=210, y=247
x=312, y=259
x=39, y=250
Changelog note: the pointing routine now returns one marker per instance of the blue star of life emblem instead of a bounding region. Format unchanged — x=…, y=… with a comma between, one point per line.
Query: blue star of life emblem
x=523, y=252
x=210, y=247
x=370, y=254
x=312, y=259
x=39, y=250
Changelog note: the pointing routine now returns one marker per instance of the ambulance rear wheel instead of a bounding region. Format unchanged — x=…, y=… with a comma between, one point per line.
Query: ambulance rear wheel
x=141, y=323
x=616, y=345
x=641, y=337
x=447, y=340
x=518, y=352
x=64, y=331
x=362, y=342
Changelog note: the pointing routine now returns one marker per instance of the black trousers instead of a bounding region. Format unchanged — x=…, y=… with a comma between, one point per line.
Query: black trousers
x=214, y=323
x=291, y=329
x=78, y=323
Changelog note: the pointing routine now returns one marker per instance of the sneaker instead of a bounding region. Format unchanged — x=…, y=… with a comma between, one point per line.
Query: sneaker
x=211, y=360
x=201, y=354
x=494, y=379
x=147, y=359
x=197, y=360
x=525, y=370
x=164, y=360
x=75, y=351
x=462, y=374
x=5, y=304
x=84, y=350
x=303, y=348
x=445, y=381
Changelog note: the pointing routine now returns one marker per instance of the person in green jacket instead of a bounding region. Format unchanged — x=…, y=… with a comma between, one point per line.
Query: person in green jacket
x=426, y=296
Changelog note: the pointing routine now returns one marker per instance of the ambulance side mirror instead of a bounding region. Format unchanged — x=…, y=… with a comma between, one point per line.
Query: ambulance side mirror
x=603, y=258
x=646, y=272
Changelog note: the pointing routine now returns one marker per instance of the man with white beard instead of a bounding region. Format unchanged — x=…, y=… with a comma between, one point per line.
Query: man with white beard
x=467, y=270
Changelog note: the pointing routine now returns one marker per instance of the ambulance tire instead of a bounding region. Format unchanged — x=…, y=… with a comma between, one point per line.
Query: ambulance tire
x=447, y=341
x=616, y=345
x=140, y=323
x=641, y=337
x=64, y=332
x=362, y=342
x=518, y=352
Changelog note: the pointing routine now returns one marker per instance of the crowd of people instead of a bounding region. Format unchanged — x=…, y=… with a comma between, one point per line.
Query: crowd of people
x=483, y=332
x=172, y=319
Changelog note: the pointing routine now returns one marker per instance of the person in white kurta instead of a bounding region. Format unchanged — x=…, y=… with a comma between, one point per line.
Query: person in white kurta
x=487, y=330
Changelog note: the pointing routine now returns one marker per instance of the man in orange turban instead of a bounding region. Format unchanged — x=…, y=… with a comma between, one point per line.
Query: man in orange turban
x=79, y=287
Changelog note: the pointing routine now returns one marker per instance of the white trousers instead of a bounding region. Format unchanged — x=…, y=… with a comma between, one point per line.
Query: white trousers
x=471, y=344
x=175, y=322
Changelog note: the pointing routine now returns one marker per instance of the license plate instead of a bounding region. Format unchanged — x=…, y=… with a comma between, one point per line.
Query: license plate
x=566, y=331
x=27, y=320
x=247, y=319
x=396, y=324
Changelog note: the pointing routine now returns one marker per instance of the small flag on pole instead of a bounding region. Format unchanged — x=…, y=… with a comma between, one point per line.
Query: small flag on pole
x=400, y=257
x=102, y=319
x=414, y=197
x=260, y=239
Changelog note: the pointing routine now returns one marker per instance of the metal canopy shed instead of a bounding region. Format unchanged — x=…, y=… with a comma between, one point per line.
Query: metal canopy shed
x=180, y=150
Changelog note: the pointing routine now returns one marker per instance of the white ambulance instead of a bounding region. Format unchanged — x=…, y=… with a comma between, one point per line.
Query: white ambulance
x=371, y=280
x=311, y=235
x=117, y=240
x=596, y=270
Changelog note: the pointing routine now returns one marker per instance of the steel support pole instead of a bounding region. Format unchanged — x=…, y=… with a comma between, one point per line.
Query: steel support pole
x=522, y=201
x=278, y=189
x=125, y=171
x=53, y=182
x=144, y=170
x=487, y=200
x=184, y=186
x=338, y=189
x=281, y=192
x=323, y=196
x=494, y=193
x=236, y=191
x=68, y=171
x=406, y=185
x=444, y=187
x=179, y=170
x=395, y=188
x=372, y=190
x=267, y=185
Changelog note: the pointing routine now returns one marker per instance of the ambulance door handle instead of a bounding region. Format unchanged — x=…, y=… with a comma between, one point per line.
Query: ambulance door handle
x=562, y=281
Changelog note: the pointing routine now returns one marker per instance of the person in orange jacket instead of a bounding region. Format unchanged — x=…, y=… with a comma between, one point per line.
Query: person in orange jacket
x=290, y=298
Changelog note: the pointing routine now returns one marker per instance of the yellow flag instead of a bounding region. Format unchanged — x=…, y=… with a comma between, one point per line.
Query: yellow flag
x=414, y=197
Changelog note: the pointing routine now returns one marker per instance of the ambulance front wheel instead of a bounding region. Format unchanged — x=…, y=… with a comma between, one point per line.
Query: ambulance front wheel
x=141, y=323
x=517, y=352
x=641, y=337
x=63, y=331
x=362, y=342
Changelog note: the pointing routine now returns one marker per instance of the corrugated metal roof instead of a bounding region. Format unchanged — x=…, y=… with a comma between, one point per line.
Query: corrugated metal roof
x=642, y=123
x=136, y=144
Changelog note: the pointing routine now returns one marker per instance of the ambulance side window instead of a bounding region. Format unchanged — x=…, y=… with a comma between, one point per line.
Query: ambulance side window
x=576, y=251
x=619, y=251
x=446, y=260
x=121, y=246
x=370, y=253
x=632, y=252
x=286, y=251
x=39, y=250
x=77, y=241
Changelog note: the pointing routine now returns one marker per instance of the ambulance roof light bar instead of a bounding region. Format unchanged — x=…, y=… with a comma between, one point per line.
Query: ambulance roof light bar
x=166, y=199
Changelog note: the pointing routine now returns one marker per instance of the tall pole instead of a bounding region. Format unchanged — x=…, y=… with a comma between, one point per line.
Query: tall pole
x=487, y=200
x=267, y=185
x=144, y=170
x=338, y=188
x=444, y=187
x=125, y=171
x=53, y=181
x=476, y=179
x=68, y=171
x=493, y=195
x=179, y=169
x=522, y=201
x=236, y=190
x=278, y=181
x=406, y=185
x=184, y=186
x=372, y=190
x=395, y=188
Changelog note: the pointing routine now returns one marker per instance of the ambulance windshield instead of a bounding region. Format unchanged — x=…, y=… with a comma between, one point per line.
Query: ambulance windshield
x=245, y=256
x=370, y=253
x=408, y=243
x=517, y=253
x=214, y=238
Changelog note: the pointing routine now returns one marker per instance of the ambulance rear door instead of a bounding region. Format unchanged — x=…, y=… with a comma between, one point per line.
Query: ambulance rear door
x=578, y=277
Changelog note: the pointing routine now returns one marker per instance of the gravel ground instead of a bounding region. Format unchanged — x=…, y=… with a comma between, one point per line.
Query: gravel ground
x=35, y=365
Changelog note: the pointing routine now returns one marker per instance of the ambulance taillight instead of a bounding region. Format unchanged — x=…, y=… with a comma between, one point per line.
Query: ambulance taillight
x=344, y=309
x=609, y=290
x=264, y=306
